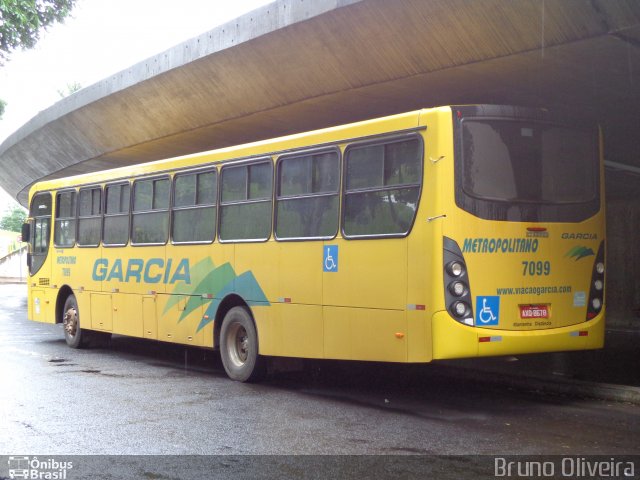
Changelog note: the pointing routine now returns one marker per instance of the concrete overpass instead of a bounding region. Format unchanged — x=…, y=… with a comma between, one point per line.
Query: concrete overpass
x=295, y=65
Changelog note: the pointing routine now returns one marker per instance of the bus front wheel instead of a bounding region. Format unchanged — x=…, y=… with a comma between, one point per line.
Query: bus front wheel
x=73, y=334
x=239, y=347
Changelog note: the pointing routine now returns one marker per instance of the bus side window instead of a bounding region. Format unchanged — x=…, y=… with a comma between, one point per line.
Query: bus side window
x=150, y=222
x=115, y=231
x=245, y=205
x=64, y=234
x=307, y=196
x=194, y=207
x=382, y=188
x=89, y=216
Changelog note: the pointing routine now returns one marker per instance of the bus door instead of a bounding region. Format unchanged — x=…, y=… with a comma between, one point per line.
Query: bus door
x=39, y=267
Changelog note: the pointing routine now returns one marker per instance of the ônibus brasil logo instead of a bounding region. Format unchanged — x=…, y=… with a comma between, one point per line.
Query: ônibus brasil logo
x=26, y=467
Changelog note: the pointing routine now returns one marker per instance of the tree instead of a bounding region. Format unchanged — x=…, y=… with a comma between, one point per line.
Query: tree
x=71, y=89
x=13, y=219
x=21, y=22
x=2, y=105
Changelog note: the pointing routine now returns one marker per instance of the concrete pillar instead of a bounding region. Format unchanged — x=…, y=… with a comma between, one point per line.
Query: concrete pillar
x=623, y=253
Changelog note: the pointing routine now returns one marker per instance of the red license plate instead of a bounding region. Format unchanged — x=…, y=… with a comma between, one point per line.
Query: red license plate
x=534, y=311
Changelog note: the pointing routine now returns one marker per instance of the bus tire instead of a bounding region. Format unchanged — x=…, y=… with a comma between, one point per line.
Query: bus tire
x=239, y=347
x=73, y=334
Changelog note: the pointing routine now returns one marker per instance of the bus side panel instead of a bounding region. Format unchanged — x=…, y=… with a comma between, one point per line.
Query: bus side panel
x=256, y=278
x=195, y=277
x=301, y=330
x=74, y=267
x=370, y=274
x=419, y=265
x=140, y=270
x=149, y=317
x=83, y=300
x=297, y=301
x=101, y=312
x=425, y=283
x=38, y=307
x=300, y=272
x=181, y=319
x=127, y=315
x=256, y=271
x=268, y=322
x=365, y=334
x=418, y=337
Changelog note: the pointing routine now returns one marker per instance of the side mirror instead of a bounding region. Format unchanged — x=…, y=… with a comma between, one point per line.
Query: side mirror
x=26, y=232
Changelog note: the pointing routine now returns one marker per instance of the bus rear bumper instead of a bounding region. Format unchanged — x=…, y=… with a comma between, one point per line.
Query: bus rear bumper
x=452, y=339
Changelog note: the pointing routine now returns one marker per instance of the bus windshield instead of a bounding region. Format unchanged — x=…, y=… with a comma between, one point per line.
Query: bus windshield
x=519, y=170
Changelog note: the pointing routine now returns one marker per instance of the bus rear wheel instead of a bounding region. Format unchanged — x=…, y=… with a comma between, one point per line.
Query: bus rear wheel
x=75, y=336
x=239, y=347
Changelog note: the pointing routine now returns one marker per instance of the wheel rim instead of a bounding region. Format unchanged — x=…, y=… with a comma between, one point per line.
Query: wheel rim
x=71, y=322
x=238, y=344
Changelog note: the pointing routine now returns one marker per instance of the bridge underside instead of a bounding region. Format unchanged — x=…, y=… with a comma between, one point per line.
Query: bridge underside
x=297, y=65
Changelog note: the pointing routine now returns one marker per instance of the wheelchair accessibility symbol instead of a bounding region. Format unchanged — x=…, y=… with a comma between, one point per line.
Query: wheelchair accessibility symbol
x=487, y=310
x=330, y=258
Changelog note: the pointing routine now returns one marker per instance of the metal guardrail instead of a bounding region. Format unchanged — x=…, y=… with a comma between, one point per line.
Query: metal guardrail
x=13, y=251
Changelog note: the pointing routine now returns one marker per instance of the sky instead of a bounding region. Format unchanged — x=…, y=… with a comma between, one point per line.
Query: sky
x=100, y=38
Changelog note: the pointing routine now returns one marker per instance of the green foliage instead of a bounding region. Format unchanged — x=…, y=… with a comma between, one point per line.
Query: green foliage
x=13, y=219
x=21, y=22
x=2, y=105
x=71, y=89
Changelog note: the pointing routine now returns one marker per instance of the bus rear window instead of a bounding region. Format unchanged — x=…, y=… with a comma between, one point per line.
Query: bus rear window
x=527, y=171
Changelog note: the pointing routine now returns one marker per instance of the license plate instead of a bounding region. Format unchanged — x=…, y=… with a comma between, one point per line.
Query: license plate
x=534, y=311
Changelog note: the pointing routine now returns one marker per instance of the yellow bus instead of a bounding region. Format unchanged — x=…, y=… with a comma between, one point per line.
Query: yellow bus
x=451, y=232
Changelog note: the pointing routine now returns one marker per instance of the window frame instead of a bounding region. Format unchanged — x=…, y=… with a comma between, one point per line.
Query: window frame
x=278, y=197
x=245, y=163
x=87, y=217
x=133, y=213
x=173, y=208
x=106, y=215
x=57, y=218
x=41, y=257
x=344, y=192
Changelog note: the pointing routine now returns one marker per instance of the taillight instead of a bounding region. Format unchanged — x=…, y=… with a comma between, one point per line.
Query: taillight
x=457, y=291
x=596, y=291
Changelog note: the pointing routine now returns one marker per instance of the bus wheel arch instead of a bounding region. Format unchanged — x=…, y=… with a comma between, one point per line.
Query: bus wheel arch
x=74, y=335
x=236, y=334
x=64, y=293
x=227, y=304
